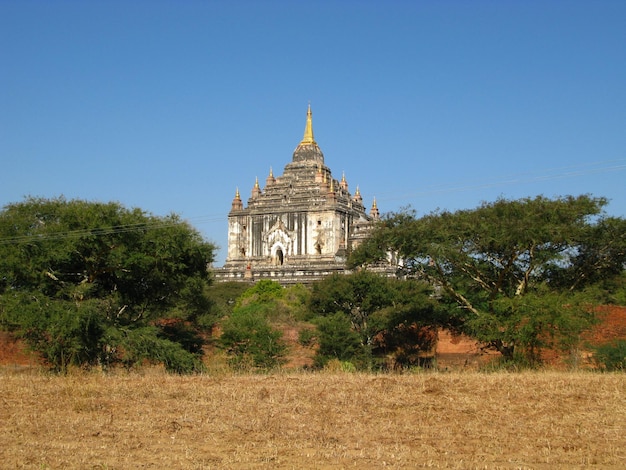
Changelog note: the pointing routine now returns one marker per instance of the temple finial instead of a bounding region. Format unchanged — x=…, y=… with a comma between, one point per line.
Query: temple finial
x=270, y=180
x=343, y=183
x=237, y=204
x=374, y=212
x=308, y=129
x=256, y=191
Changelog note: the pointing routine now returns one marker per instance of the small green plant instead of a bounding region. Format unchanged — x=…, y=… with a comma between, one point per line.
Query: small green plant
x=611, y=356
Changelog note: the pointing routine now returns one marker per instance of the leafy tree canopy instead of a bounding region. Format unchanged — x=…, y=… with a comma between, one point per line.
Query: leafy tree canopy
x=250, y=340
x=514, y=274
x=365, y=315
x=77, y=278
x=251, y=333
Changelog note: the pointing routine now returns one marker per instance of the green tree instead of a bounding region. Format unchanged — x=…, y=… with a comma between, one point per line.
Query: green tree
x=224, y=296
x=357, y=296
x=514, y=274
x=250, y=339
x=252, y=332
x=337, y=340
x=379, y=311
x=75, y=274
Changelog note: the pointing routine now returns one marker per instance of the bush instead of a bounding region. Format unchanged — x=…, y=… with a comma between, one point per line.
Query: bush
x=611, y=356
x=65, y=334
x=337, y=340
x=264, y=291
x=145, y=344
x=250, y=340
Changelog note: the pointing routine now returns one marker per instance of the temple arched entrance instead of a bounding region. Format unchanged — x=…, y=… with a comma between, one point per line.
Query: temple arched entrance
x=278, y=254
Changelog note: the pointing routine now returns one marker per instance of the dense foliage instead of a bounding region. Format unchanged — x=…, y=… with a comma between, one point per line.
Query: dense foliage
x=95, y=283
x=251, y=341
x=611, y=356
x=368, y=318
x=250, y=334
x=516, y=275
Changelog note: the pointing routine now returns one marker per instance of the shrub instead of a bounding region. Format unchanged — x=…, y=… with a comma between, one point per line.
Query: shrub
x=145, y=344
x=337, y=340
x=250, y=340
x=611, y=356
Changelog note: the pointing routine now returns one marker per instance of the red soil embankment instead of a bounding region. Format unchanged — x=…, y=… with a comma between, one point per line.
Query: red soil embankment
x=612, y=325
x=14, y=352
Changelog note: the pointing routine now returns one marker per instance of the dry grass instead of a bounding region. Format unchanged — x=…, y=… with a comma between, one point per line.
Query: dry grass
x=544, y=420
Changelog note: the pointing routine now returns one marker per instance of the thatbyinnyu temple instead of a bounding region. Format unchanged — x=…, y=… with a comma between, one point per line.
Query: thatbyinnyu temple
x=300, y=226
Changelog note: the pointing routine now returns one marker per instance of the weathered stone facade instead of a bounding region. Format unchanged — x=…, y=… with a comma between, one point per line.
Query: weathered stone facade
x=300, y=226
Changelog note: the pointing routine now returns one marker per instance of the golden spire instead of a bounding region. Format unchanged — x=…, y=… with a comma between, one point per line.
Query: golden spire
x=343, y=183
x=256, y=191
x=308, y=129
x=374, y=213
x=237, y=205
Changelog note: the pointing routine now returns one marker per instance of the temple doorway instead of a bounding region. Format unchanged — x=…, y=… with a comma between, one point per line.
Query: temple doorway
x=279, y=256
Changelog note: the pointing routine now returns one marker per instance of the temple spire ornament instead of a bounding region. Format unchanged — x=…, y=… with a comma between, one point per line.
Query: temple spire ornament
x=256, y=191
x=308, y=150
x=344, y=183
x=308, y=138
x=270, y=180
x=374, y=213
x=237, y=204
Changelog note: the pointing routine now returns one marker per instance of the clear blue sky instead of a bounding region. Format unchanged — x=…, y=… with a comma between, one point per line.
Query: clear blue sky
x=170, y=106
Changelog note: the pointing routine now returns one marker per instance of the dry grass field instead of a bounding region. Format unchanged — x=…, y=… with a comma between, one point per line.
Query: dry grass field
x=541, y=420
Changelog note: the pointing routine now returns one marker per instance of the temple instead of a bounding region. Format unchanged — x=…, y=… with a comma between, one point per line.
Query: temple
x=300, y=227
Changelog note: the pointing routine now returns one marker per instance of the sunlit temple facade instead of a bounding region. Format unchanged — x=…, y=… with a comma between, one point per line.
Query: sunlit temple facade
x=300, y=226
